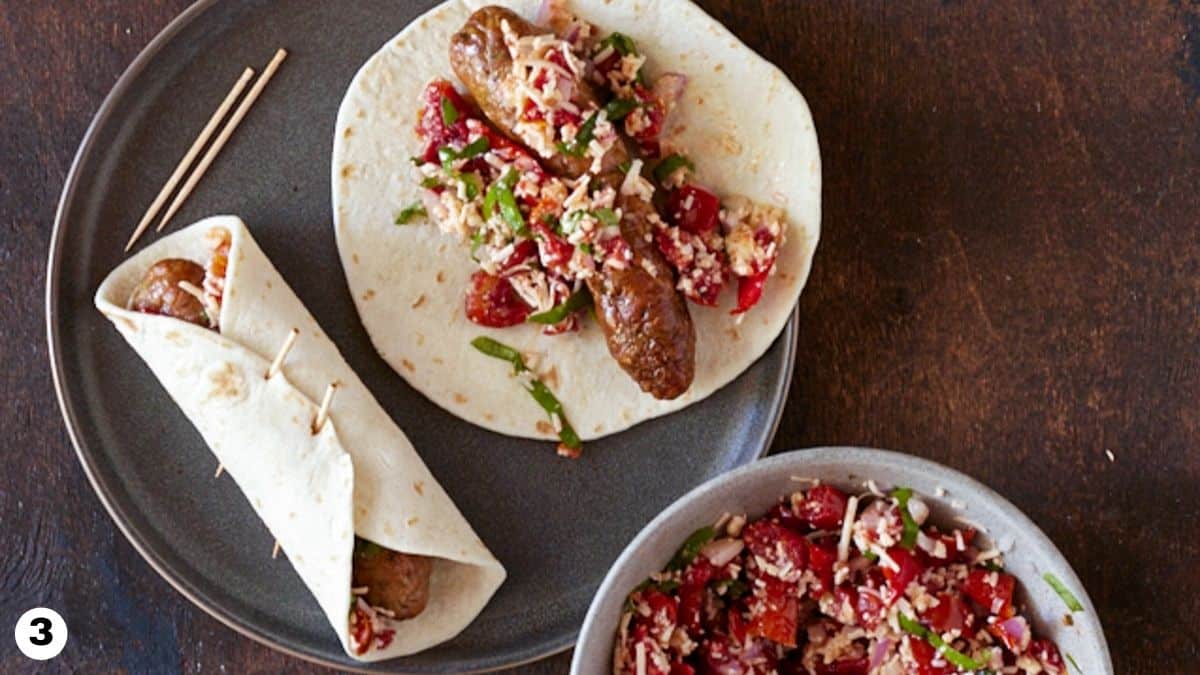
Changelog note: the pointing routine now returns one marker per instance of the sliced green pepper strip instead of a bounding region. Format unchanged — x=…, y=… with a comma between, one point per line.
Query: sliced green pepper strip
x=911, y=529
x=618, y=108
x=620, y=42
x=475, y=148
x=500, y=351
x=1065, y=593
x=449, y=112
x=1072, y=660
x=607, y=216
x=551, y=405
x=670, y=165
x=493, y=193
x=691, y=547
x=409, y=212
x=540, y=392
x=578, y=300
x=587, y=131
x=951, y=654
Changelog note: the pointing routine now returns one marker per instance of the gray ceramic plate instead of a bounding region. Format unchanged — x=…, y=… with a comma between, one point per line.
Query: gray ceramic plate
x=753, y=489
x=556, y=525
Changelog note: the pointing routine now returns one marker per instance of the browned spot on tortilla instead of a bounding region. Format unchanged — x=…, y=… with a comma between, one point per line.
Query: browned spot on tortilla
x=347, y=171
x=408, y=365
x=348, y=132
x=270, y=285
x=438, y=360
x=719, y=67
x=362, y=510
x=551, y=377
x=226, y=382
x=419, y=487
x=441, y=276
x=626, y=414
x=176, y=337
x=420, y=339
x=459, y=398
x=354, y=257
x=411, y=521
x=545, y=427
x=368, y=295
x=295, y=420
x=734, y=334
x=599, y=428
x=387, y=528
x=362, y=114
x=699, y=100
x=319, y=499
x=419, y=301
x=489, y=417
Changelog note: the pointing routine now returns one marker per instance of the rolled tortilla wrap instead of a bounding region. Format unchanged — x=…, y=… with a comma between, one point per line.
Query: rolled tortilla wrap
x=359, y=474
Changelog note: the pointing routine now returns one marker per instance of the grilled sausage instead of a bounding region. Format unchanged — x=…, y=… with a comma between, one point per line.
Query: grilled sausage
x=645, y=321
x=395, y=581
x=159, y=291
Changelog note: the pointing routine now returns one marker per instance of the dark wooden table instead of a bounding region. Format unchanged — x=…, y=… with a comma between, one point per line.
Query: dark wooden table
x=1008, y=282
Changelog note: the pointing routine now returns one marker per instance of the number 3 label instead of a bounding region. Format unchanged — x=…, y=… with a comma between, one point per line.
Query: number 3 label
x=41, y=633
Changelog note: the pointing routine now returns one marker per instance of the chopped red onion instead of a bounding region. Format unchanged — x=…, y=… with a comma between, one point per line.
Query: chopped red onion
x=721, y=551
x=878, y=653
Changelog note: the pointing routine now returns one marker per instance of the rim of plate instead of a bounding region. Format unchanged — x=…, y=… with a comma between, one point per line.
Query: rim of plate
x=103, y=490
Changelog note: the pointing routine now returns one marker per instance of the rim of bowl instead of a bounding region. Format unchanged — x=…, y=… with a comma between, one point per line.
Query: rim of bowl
x=595, y=635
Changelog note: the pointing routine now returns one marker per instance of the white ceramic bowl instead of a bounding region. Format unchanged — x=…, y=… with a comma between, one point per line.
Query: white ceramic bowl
x=754, y=488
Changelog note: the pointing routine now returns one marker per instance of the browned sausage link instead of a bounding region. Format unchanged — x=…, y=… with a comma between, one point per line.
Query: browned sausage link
x=159, y=291
x=645, y=321
x=397, y=582
x=481, y=60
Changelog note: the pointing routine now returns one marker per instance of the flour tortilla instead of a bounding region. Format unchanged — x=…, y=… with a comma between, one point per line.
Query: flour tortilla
x=314, y=492
x=747, y=128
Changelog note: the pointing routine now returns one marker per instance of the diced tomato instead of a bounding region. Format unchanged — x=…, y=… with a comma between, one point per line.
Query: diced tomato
x=845, y=596
x=736, y=625
x=870, y=607
x=1046, y=652
x=783, y=514
x=554, y=251
x=384, y=638
x=693, y=592
x=859, y=666
x=924, y=654
x=784, y=550
x=996, y=600
x=431, y=127
x=663, y=614
x=681, y=668
x=524, y=251
x=824, y=507
x=898, y=580
x=492, y=301
x=680, y=248
x=750, y=290
x=951, y=613
x=821, y=558
x=693, y=209
x=775, y=613
x=361, y=632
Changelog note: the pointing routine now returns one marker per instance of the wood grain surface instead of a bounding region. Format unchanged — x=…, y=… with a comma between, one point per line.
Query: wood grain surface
x=1008, y=282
